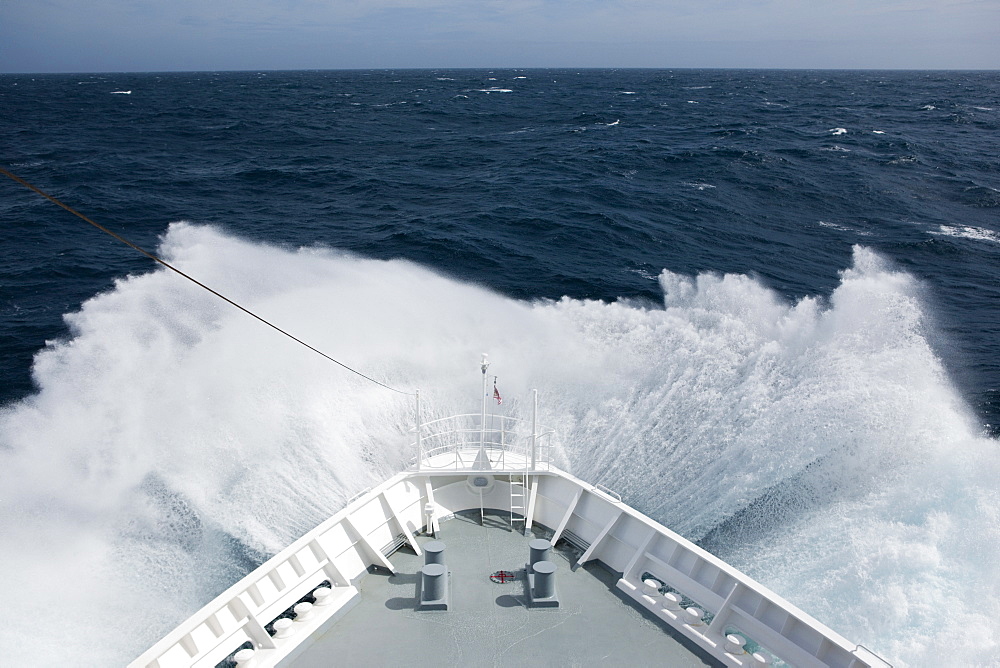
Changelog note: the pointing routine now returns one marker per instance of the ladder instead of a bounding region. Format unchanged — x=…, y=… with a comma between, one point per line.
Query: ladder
x=518, y=495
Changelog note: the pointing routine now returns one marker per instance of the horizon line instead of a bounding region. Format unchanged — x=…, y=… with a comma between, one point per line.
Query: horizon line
x=513, y=68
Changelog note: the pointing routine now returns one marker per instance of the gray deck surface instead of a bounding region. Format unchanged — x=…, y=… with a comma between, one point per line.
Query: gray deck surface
x=489, y=624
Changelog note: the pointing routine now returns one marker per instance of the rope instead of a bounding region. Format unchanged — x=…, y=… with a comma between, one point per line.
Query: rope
x=190, y=278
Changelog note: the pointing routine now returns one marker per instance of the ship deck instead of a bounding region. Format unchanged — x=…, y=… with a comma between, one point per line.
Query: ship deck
x=490, y=624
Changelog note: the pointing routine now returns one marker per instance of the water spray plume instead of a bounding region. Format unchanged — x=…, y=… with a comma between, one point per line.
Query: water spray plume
x=171, y=447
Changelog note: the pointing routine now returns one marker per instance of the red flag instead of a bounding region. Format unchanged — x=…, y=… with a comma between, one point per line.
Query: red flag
x=496, y=394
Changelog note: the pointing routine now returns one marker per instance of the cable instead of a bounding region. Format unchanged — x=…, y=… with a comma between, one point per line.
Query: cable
x=193, y=280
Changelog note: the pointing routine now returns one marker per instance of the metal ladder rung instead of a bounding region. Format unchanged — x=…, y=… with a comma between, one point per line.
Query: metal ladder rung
x=517, y=498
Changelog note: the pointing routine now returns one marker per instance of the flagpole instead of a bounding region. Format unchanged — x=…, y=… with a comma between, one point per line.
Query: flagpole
x=482, y=419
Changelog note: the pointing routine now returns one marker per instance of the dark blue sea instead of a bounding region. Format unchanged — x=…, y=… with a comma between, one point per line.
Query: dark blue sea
x=764, y=306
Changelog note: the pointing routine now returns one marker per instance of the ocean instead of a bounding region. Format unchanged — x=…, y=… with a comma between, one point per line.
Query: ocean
x=761, y=305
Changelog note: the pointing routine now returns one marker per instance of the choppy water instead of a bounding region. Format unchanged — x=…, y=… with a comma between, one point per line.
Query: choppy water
x=761, y=305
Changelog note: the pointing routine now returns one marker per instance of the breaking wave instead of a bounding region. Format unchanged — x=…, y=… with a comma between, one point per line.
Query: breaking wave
x=173, y=442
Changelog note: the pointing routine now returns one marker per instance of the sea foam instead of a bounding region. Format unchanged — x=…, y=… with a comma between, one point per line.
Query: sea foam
x=967, y=232
x=174, y=442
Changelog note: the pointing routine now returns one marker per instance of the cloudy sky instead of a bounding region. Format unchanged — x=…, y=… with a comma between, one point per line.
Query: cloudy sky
x=158, y=35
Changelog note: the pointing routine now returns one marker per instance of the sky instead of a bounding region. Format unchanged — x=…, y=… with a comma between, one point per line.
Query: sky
x=176, y=35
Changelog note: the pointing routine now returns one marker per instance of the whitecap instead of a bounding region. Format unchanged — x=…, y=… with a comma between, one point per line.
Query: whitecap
x=495, y=90
x=928, y=107
x=628, y=92
x=615, y=123
x=648, y=275
x=878, y=132
x=836, y=148
x=121, y=92
x=697, y=185
x=838, y=131
x=968, y=232
x=520, y=77
x=692, y=102
x=445, y=79
x=844, y=228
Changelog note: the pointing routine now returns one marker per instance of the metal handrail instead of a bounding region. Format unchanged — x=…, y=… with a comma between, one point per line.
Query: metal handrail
x=465, y=432
x=610, y=492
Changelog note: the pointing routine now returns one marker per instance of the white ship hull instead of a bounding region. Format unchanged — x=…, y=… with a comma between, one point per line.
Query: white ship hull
x=732, y=618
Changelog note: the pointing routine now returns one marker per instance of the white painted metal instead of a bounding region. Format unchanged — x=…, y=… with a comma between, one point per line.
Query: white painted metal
x=482, y=419
x=402, y=526
x=534, y=429
x=461, y=443
x=433, y=526
x=518, y=495
x=342, y=548
x=567, y=516
x=420, y=452
x=529, y=517
x=589, y=552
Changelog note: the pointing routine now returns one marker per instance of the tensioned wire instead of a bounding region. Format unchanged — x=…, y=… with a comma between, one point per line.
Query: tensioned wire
x=192, y=279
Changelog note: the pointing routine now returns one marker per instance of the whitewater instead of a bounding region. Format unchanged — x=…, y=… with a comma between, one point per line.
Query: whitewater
x=173, y=443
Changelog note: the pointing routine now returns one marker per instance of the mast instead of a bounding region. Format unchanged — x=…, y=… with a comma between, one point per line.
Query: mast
x=481, y=457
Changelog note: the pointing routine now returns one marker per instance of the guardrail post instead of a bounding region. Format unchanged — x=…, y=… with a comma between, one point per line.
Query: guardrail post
x=534, y=428
x=420, y=451
x=722, y=614
x=251, y=625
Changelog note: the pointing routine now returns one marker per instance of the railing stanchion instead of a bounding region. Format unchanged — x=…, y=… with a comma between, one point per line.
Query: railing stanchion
x=534, y=426
x=420, y=452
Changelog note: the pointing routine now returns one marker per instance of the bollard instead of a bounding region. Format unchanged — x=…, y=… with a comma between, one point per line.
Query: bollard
x=303, y=611
x=434, y=552
x=672, y=601
x=538, y=550
x=283, y=627
x=245, y=658
x=432, y=582
x=734, y=644
x=322, y=595
x=651, y=587
x=760, y=660
x=692, y=616
x=545, y=579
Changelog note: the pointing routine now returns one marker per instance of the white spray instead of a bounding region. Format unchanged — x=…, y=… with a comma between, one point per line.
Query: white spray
x=174, y=442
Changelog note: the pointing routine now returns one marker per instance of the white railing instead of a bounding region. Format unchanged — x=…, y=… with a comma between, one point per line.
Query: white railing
x=324, y=564
x=458, y=442
x=722, y=610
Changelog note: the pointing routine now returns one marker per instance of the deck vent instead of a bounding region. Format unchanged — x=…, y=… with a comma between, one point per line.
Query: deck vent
x=397, y=542
x=575, y=541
